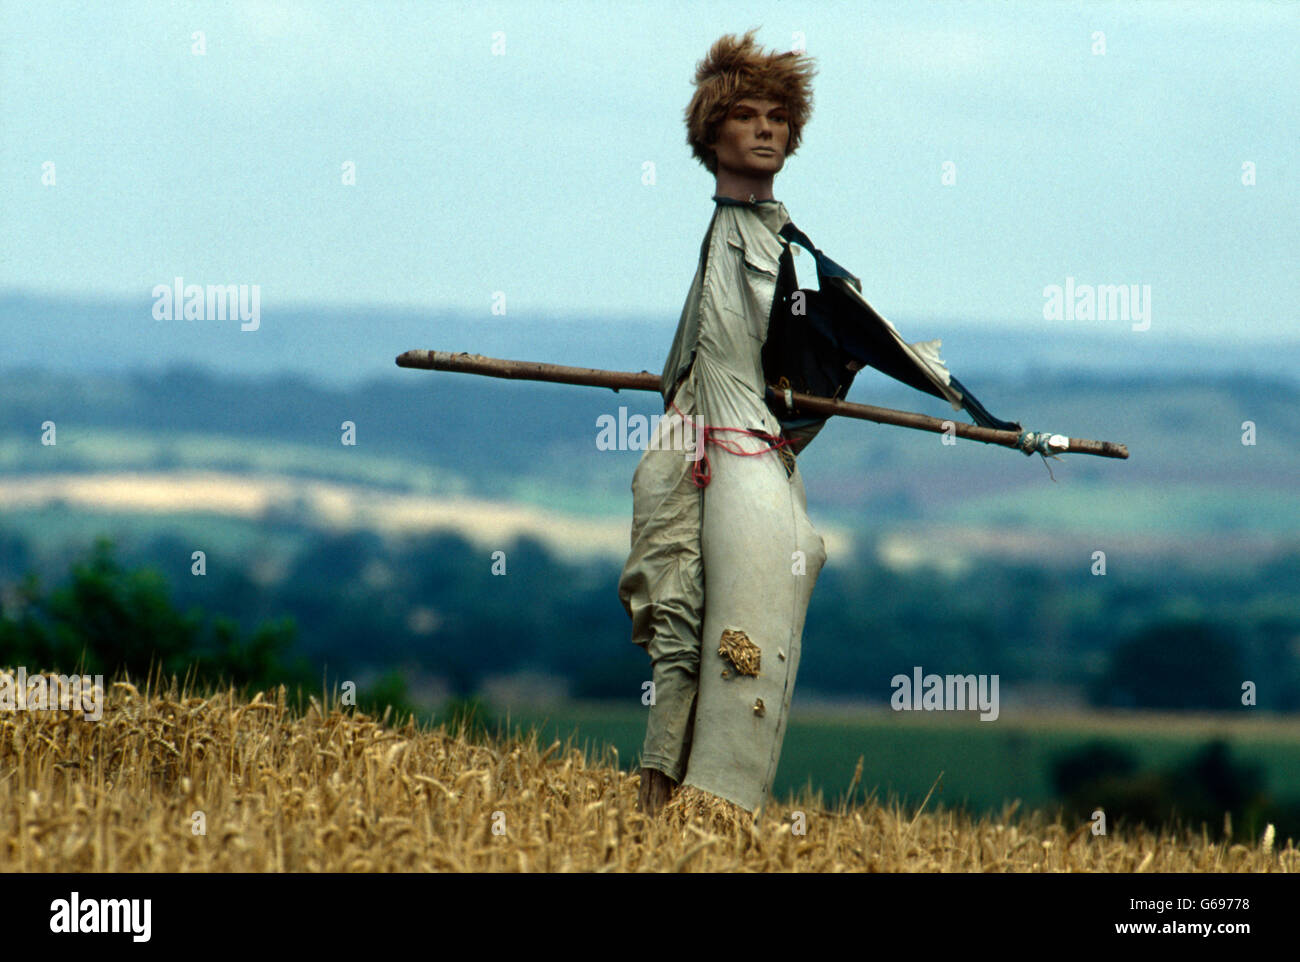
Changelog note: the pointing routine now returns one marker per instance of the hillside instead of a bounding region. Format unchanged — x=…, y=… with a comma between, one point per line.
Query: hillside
x=447, y=435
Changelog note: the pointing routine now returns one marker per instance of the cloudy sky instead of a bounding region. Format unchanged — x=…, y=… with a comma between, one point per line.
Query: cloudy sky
x=538, y=150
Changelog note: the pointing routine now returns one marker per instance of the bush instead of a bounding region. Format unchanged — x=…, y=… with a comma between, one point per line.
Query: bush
x=106, y=619
x=1181, y=665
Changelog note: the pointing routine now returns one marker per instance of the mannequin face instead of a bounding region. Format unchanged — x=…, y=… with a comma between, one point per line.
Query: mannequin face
x=752, y=140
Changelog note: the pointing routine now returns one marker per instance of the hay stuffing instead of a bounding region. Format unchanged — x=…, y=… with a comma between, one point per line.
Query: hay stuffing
x=743, y=654
x=694, y=806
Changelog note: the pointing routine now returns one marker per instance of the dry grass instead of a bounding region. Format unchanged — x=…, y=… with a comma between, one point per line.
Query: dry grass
x=329, y=790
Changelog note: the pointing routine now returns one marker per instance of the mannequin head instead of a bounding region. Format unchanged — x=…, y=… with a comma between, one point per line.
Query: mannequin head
x=735, y=71
x=752, y=139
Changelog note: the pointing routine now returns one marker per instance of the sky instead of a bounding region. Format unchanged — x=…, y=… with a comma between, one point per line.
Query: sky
x=532, y=156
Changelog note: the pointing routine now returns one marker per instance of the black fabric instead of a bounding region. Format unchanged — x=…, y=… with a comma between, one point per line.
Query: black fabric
x=812, y=350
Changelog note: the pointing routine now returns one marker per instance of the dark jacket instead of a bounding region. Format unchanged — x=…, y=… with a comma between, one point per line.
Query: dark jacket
x=809, y=337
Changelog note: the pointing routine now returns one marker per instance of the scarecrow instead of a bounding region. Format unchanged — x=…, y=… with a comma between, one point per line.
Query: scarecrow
x=729, y=512
x=757, y=366
x=728, y=515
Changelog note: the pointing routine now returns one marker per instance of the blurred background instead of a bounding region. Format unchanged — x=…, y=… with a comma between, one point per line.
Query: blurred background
x=513, y=180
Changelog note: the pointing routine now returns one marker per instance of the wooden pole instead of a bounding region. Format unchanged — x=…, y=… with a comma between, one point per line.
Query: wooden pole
x=805, y=404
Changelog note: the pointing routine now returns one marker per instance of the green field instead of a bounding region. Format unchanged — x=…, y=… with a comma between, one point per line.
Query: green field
x=73, y=529
x=985, y=765
x=119, y=450
x=1164, y=508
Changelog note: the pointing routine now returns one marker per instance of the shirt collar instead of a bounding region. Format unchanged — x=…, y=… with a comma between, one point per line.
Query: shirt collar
x=721, y=199
x=770, y=210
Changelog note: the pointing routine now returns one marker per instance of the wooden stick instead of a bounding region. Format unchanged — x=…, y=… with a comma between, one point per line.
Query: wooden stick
x=805, y=404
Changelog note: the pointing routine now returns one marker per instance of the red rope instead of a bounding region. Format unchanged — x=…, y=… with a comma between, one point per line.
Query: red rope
x=702, y=471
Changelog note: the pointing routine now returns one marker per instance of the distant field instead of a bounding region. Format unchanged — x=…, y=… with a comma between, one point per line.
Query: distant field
x=105, y=448
x=198, y=503
x=985, y=764
x=1085, y=499
x=1163, y=508
x=60, y=525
